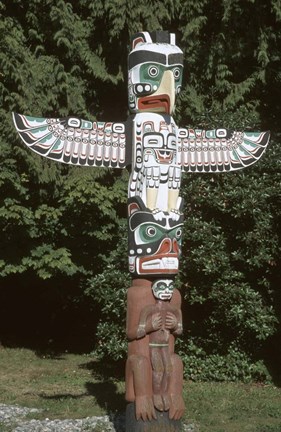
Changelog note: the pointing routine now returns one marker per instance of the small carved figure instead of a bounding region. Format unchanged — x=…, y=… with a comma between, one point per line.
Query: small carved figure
x=154, y=371
x=159, y=320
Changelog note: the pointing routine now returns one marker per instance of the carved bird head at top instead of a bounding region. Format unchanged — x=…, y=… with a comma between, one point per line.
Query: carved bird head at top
x=155, y=68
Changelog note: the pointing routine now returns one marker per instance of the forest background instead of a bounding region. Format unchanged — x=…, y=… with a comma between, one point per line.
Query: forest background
x=63, y=255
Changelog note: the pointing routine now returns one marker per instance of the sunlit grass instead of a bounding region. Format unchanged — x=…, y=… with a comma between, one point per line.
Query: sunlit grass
x=64, y=386
x=232, y=407
x=76, y=386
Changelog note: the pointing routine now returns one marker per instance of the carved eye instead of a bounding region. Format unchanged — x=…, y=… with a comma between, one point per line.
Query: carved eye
x=178, y=233
x=153, y=71
x=177, y=73
x=150, y=231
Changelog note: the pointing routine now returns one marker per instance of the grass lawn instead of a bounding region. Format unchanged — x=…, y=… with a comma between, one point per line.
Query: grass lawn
x=76, y=386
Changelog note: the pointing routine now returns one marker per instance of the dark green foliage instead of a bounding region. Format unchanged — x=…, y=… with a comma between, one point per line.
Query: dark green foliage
x=66, y=226
x=108, y=290
x=233, y=365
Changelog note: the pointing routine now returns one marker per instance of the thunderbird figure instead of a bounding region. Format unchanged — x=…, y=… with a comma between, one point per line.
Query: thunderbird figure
x=149, y=142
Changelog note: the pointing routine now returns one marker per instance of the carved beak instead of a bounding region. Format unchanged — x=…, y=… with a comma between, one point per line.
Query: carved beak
x=163, y=100
x=167, y=87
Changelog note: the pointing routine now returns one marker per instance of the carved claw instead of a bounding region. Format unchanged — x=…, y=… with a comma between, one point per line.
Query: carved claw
x=177, y=407
x=158, y=402
x=174, y=214
x=166, y=401
x=145, y=408
x=158, y=214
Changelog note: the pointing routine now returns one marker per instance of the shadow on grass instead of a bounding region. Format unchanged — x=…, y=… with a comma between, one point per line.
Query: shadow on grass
x=105, y=370
x=62, y=396
x=106, y=391
x=107, y=396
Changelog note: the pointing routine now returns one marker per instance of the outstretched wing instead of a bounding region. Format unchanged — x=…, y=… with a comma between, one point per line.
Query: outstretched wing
x=74, y=141
x=219, y=150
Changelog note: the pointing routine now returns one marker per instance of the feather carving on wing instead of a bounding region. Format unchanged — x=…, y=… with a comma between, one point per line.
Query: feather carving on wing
x=74, y=141
x=219, y=150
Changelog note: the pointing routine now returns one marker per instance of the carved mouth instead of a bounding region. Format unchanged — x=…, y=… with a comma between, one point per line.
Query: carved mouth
x=165, y=296
x=164, y=156
x=160, y=103
x=158, y=264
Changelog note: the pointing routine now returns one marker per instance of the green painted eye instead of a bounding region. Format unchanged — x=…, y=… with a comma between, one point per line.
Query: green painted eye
x=153, y=71
x=177, y=73
x=176, y=233
x=149, y=232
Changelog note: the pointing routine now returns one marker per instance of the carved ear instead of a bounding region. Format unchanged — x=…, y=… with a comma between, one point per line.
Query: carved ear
x=143, y=37
x=163, y=36
x=136, y=204
x=132, y=208
x=158, y=36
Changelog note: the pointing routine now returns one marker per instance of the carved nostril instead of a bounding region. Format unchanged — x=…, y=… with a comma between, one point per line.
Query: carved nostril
x=139, y=88
x=175, y=246
x=142, y=89
x=166, y=246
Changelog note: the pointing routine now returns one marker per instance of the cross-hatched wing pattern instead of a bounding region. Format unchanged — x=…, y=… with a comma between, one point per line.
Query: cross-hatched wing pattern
x=219, y=150
x=74, y=141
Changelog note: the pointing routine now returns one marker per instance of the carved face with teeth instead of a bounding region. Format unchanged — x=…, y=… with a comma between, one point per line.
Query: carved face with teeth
x=154, y=246
x=155, y=72
x=163, y=289
x=159, y=145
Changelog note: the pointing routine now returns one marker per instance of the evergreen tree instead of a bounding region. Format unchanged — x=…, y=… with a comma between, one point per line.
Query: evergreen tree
x=61, y=225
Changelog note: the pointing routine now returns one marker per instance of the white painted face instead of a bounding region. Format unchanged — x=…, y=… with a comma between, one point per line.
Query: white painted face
x=163, y=289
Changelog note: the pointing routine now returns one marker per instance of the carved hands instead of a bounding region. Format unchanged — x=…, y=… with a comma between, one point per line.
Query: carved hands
x=153, y=323
x=156, y=321
x=172, y=323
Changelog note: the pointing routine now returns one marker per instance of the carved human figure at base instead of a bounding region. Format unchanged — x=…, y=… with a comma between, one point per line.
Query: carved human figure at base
x=153, y=370
x=159, y=320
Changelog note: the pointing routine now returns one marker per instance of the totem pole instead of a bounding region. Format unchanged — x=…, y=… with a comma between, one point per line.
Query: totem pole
x=158, y=152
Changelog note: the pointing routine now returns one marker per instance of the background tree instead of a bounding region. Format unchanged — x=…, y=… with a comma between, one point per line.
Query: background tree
x=63, y=246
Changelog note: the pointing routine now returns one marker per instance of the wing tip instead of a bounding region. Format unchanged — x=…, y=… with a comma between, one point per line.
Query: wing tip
x=15, y=117
x=267, y=137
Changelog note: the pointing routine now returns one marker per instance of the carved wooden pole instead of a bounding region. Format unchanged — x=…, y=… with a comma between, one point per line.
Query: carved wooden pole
x=158, y=152
x=154, y=373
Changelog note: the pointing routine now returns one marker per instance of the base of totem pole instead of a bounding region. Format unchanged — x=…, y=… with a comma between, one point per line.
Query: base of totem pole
x=162, y=424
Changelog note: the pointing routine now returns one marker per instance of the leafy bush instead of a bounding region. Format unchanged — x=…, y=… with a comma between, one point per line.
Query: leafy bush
x=68, y=225
x=109, y=290
x=234, y=365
